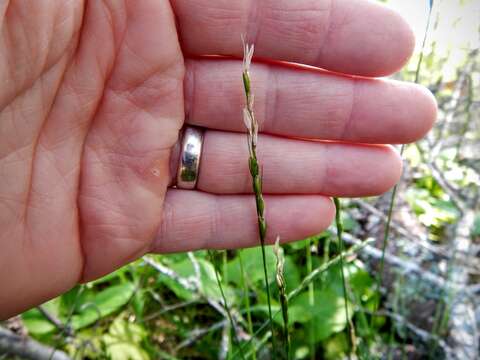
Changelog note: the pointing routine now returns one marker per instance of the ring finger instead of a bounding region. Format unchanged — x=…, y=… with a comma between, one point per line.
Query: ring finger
x=292, y=166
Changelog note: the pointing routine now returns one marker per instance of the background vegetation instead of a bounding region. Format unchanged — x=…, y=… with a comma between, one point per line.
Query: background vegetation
x=428, y=304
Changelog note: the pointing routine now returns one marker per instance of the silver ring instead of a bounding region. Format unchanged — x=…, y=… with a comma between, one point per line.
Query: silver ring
x=189, y=162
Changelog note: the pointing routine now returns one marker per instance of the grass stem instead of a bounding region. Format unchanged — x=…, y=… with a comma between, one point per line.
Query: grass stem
x=247, y=300
x=225, y=305
x=339, y=225
x=282, y=294
x=311, y=300
x=391, y=206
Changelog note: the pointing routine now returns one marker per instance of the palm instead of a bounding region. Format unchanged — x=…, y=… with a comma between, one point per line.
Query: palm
x=89, y=131
x=92, y=100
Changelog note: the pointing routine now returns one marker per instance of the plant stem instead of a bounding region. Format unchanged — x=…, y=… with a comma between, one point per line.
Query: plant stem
x=386, y=234
x=247, y=301
x=225, y=304
x=268, y=299
x=283, y=294
x=311, y=299
x=225, y=279
x=339, y=224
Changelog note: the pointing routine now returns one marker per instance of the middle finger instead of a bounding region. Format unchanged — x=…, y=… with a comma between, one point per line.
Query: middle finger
x=303, y=102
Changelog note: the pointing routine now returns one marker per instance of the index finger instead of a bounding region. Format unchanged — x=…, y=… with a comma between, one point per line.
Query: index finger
x=356, y=37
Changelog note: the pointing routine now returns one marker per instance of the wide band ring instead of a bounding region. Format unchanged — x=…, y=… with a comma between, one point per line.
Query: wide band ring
x=189, y=159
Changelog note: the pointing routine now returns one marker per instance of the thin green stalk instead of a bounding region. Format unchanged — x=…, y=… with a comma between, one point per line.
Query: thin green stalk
x=252, y=126
x=339, y=224
x=225, y=304
x=386, y=234
x=282, y=294
x=247, y=301
x=225, y=278
x=311, y=300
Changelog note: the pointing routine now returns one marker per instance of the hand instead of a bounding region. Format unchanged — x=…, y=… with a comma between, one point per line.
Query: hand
x=94, y=94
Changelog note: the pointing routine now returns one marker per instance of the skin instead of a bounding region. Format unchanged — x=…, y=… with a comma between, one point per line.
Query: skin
x=93, y=95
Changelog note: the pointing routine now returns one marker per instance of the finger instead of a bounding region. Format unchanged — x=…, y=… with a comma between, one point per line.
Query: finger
x=194, y=220
x=349, y=36
x=297, y=166
x=307, y=103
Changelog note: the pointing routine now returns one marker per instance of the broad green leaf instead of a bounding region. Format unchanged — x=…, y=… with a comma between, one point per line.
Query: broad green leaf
x=177, y=289
x=123, y=341
x=327, y=314
x=110, y=277
x=349, y=223
x=103, y=304
x=253, y=266
x=359, y=280
x=208, y=281
x=36, y=323
x=72, y=301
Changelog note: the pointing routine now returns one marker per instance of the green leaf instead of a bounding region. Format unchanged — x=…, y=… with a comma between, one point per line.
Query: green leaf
x=327, y=315
x=476, y=226
x=72, y=300
x=253, y=266
x=300, y=245
x=359, y=280
x=348, y=222
x=291, y=274
x=336, y=347
x=103, y=304
x=432, y=212
x=36, y=323
x=138, y=303
x=208, y=282
x=123, y=341
x=110, y=277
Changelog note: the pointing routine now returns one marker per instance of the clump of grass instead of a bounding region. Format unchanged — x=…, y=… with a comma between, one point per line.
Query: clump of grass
x=252, y=127
x=282, y=290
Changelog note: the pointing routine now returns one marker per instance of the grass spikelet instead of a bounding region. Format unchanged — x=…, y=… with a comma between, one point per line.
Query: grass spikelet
x=252, y=126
